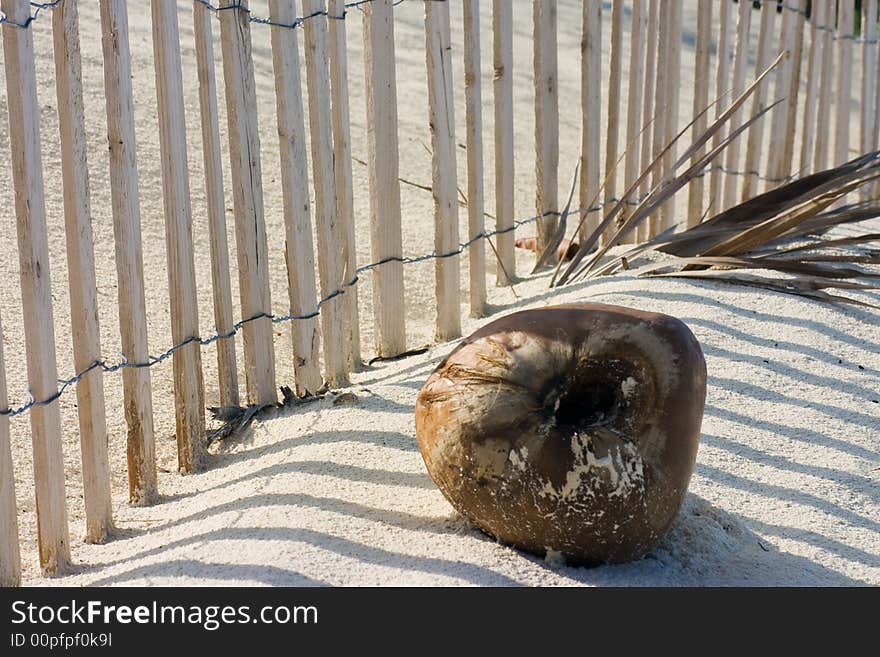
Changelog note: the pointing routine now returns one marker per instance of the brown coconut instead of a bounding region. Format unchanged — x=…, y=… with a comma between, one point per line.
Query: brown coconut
x=569, y=429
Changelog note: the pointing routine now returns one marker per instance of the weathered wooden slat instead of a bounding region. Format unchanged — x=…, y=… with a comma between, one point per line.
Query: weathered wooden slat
x=667, y=210
x=814, y=67
x=649, y=93
x=546, y=120
x=740, y=59
x=36, y=288
x=869, y=75
x=299, y=253
x=876, y=187
x=843, y=96
x=141, y=450
x=502, y=62
x=386, y=241
x=755, y=140
x=777, y=167
x=826, y=89
x=787, y=165
x=445, y=189
x=661, y=90
x=634, y=96
x=723, y=99
x=612, y=131
x=342, y=167
x=10, y=552
x=474, y=142
x=189, y=402
x=701, y=99
x=250, y=224
x=329, y=226
x=81, y=274
x=221, y=286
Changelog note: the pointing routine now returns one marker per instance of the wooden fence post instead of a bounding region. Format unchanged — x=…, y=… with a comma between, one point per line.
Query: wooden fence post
x=755, y=138
x=722, y=80
x=667, y=210
x=869, y=81
x=634, y=102
x=250, y=224
x=36, y=289
x=869, y=76
x=843, y=96
x=826, y=88
x=220, y=283
x=546, y=120
x=81, y=274
x=329, y=226
x=814, y=68
x=799, y=11
x=876, y=187
x=442, y=121
x=701, y=99
x=612, y=131
x=10, y=552
x=661, y=89
x=777, y=167
x=385, y=235
x=342, y=167
x=502, y=62
x=731, y=156
x=299, y=253
x=189, y=396
x=142, y=487
x=643, y=229
x=474, y=118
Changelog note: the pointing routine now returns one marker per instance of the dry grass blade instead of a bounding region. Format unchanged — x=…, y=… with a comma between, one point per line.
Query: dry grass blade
x=842, y=241
x=707, y=134
x=618, y=206
x=701, y=237
x=667, y=186
x=664, y=191
x=811, y=288
x=846, y=215
x=791, y=266
x=756, y=234
x=668, y=241
x=774, y=227
x=866, y=259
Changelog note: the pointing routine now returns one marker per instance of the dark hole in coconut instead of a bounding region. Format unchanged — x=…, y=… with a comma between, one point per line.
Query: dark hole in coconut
x=587, y=403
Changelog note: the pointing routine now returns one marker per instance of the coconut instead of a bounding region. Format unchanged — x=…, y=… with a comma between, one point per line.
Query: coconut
x=569, y=430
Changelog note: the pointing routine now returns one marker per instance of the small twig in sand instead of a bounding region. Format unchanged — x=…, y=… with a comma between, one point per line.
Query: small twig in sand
x=503, y=268
x=404, y=354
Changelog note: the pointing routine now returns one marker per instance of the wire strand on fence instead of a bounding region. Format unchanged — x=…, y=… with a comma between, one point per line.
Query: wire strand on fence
x=276, y=319
x=298, y=22
x=216, y=9
x=38, y=7
x=825, y=28
x=280, y=319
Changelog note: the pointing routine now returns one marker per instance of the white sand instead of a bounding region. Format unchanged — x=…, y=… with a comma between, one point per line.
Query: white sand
x=785, y=490
x=790, y=447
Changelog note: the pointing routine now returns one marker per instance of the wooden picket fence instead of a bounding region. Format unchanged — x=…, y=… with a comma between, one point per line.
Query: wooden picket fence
x=820, y=55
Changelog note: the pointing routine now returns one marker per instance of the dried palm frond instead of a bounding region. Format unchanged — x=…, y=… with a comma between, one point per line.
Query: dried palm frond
x=780, y=230
x=668, y=185
x=758, y=234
